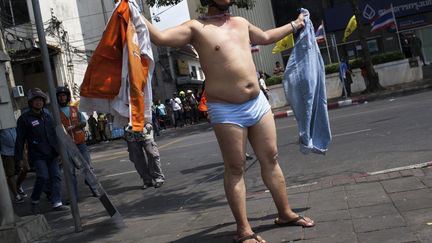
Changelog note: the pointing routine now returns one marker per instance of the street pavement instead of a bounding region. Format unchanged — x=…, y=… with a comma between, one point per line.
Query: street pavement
x=383, y=200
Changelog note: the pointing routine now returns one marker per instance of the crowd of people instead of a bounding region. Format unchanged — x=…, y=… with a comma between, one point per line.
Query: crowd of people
x=180, y=110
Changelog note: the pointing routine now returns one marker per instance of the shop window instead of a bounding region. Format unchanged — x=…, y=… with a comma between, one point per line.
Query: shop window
x=373, y=46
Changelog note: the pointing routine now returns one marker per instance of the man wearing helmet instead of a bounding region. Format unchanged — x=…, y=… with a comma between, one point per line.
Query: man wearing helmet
x=74, y=122
x=238, y=109
x=37, y=128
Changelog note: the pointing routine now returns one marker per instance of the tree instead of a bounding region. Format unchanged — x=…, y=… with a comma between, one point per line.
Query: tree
x=372, y=76
x=247, y=4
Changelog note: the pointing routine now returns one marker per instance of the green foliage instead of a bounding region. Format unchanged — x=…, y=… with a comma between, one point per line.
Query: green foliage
x=247, y=4
x=376, y=59
x=273, y=80
x=356, y=63
x=332, y=68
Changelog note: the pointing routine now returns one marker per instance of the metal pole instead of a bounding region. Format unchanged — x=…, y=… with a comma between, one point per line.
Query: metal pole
x=334, y=43
x=52, y=92
x=104, y=11
x=6, y=210
x=12, y=13
x=397, y=29
x=327, y=46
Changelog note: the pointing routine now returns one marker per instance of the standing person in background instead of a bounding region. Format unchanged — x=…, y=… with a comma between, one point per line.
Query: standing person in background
x=345, y=77
x=263, y=85
x=74, y=122
x=161, y=113
x=278, y=70
x=416, y=48
x=176, y=105
x=12, y=168
x=92, y=122
x=101, y=124
x=37, y=129
x=193, y=104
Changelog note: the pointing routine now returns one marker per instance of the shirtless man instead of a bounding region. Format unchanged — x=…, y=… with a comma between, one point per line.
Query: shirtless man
x=238, y=109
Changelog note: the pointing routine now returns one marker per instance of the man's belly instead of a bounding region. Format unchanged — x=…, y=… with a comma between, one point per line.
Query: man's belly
x=236, y=93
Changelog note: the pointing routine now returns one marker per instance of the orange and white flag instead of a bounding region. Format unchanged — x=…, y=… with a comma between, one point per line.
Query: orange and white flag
x=118, y=77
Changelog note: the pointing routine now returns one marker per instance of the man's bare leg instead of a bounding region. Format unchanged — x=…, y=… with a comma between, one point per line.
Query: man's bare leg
x=262, y=137
x=232, y=142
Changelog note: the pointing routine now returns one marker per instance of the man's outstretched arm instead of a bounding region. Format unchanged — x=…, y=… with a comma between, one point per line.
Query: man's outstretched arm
x=175, y=37
x=260, y=37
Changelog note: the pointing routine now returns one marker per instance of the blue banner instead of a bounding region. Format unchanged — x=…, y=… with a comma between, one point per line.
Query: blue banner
x=370, y=9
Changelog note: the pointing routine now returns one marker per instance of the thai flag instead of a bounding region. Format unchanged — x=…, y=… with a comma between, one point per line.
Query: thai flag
x=319, y=34
x=254, y=48
x=384, y=20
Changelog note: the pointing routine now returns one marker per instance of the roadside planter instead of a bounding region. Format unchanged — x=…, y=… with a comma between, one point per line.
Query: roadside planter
x=390, y=73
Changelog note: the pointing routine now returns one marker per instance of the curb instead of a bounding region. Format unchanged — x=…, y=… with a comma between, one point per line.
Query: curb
x=362, y=99
x=334, y=105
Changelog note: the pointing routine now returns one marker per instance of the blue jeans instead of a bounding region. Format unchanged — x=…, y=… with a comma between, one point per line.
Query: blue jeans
x=85, y=153
x=47, y=171
x=304, y=85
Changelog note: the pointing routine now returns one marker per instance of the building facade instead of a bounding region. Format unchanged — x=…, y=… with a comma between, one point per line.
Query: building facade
x=413, y=17
x=73, y=30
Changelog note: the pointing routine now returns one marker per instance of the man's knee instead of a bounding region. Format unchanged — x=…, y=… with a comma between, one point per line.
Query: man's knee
x=235, y=169
x=271, y=157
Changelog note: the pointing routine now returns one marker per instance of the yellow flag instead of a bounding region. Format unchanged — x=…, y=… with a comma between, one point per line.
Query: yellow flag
x=286, y=43
x=352, y=25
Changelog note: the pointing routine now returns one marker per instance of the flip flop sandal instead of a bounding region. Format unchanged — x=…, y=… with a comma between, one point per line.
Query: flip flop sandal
x=293, y=222
x=245, y=238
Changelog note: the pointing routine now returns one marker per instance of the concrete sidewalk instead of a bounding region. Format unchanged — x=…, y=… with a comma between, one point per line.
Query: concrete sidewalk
x=388, y=206
x=357, y=98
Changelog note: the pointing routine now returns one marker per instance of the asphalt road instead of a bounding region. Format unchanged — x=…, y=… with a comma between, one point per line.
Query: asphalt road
x=369, y=137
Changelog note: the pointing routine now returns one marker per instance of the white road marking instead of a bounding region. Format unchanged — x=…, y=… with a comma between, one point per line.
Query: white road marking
x=298, y=186
x=408, y=167
x=118, y=174
x=350, y=133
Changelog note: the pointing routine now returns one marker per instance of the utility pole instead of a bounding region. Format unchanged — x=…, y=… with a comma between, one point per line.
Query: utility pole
x=6, y=210
x=104, y=11
x=56, y=113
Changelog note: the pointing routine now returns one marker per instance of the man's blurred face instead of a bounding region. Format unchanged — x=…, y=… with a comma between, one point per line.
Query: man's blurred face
x=37, y=103
x=62, y=98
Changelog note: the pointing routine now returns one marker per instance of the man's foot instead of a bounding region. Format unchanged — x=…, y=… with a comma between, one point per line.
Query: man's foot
x=21, y=192
x=35, y=208
x=297, y=221
x=19, y=199
x=48, y=195
x=60, y=208
x=252, y=238
x=248, y=156
x=147, y=185
x=158, y=184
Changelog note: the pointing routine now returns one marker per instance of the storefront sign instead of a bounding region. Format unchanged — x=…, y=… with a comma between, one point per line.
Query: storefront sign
x=412, y=22
x=337, y=18
x=370, y=9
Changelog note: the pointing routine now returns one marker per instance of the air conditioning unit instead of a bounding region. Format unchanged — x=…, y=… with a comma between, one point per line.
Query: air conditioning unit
x=18, y=91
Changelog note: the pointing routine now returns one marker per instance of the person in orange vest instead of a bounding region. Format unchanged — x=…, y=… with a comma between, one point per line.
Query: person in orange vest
x=74, y=122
